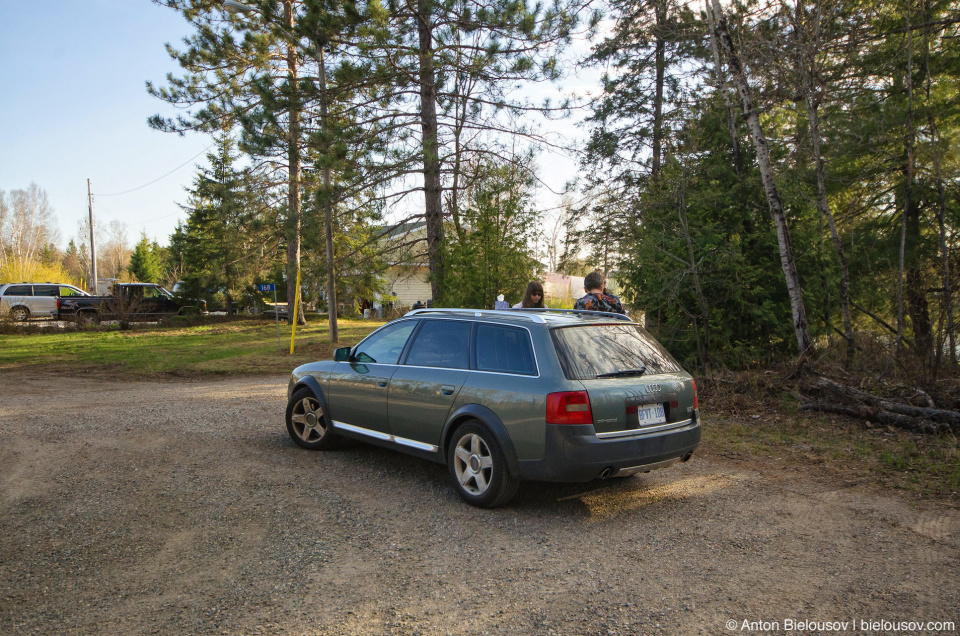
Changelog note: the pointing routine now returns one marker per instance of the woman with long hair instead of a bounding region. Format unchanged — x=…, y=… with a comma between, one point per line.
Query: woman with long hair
x=532, y=298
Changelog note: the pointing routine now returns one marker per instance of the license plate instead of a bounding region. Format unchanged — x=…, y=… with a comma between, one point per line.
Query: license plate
x=648, y=414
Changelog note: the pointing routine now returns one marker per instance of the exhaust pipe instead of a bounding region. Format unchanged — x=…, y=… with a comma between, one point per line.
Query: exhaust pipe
x=607, y=472
x=687, y=457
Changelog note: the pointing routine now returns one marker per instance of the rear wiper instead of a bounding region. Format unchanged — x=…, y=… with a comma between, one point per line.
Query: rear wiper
x=624, y=373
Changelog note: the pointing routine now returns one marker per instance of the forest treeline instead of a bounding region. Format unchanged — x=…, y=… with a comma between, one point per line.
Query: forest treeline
x=774, y=177
x=764, y=180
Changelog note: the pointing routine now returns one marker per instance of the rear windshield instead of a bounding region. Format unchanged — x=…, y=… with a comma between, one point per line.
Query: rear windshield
x=587, y=351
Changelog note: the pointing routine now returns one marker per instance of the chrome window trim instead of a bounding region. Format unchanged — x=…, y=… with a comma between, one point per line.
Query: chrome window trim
x=402, y=441
x=536, y=360
x=640, y=432
x=475, y=313
x=512, y=375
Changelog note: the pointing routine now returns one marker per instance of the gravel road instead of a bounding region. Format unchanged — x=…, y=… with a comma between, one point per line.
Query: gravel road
x=181, y=507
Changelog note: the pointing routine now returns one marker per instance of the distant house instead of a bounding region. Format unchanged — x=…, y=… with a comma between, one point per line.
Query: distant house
x=408, y=274
x=560, y=286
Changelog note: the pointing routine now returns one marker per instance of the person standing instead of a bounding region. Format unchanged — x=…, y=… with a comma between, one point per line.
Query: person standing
x=597, y=298
x=532, y=298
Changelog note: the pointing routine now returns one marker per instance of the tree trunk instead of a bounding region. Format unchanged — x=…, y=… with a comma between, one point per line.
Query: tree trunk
x=787, y=262
x=293, y=165
x=812, y=100
x=947, y=303
x=940, y=415
x=457, y=161
x=912, y=275
x=722, y=88
x=433, y=211
x=660, y=63
x=704, y=306
x=328, y=207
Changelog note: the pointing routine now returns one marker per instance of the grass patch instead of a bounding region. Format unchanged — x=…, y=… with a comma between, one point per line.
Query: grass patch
x=218, y=347
x=752, y=419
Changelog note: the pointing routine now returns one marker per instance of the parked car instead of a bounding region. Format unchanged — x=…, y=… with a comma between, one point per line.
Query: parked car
x=34, y=300
x=504, y=396
x=131, y=302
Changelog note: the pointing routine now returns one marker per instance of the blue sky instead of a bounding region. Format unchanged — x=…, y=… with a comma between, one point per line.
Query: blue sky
x=74, y=107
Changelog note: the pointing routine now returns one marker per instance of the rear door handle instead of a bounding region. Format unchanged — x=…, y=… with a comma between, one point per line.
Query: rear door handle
x=446, y=389
x=382, y=382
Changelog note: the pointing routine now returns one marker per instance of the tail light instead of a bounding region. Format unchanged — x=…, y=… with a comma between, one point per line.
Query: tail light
x=569, y=407
x=58, y=303
x=696, y=402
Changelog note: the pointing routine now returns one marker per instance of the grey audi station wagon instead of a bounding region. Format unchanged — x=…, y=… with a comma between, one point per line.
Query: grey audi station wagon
x=504, y=396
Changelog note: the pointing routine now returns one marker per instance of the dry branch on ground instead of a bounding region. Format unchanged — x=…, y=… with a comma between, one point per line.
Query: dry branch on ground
x=838, y=398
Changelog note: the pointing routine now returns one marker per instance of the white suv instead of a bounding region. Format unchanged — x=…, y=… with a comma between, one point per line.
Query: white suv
x=39, y=300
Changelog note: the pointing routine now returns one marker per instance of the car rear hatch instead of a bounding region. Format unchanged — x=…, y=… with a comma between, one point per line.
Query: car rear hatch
x=632, y=382
x=627, y=405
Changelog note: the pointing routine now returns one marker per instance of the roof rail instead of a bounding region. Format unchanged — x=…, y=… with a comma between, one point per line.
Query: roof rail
x=585, y=312
x=508, y=313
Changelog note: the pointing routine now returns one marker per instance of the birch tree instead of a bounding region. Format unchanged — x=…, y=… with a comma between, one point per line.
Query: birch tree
x=775, y=202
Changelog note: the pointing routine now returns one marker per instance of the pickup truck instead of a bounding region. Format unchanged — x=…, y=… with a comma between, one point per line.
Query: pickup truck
x=128, y=302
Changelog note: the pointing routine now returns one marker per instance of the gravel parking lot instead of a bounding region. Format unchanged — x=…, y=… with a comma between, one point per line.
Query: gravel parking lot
x=181, y=507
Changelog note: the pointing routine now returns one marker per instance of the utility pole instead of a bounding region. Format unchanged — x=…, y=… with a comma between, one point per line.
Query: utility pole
x=328, y=203
x=93, y=244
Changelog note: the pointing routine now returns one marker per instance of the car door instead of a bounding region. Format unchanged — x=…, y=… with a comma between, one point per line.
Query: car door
x=16, y=296
x=425, y=386
x=148, y=302
x=68, y=291
x=358, y=388
x=44, y=302
x=165, y=304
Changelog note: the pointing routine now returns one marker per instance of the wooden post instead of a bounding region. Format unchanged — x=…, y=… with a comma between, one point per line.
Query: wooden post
x=296, y=306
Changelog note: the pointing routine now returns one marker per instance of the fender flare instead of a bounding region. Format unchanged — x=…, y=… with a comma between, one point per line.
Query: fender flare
x=493, y=423
x=85, y=313
x=310, y=382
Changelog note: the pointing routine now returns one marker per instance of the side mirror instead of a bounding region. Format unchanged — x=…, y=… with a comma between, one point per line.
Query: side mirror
x=342, y=354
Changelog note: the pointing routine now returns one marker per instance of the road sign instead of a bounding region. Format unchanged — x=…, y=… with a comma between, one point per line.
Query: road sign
x=271, y=287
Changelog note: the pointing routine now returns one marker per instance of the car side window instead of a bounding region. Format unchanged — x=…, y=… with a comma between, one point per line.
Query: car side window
x=66, y=291
x=45, y=290
x=504, y=350
x=441, y=343
x=386, y=345
x=19, y=290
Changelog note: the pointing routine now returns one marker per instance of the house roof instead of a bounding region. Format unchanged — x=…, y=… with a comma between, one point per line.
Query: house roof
x=402, y=229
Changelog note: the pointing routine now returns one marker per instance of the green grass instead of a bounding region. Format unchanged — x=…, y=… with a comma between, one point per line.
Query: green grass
x=926, y=466
x=224, y=347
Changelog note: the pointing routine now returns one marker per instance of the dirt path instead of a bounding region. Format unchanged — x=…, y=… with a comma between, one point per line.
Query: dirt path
x=182, y=508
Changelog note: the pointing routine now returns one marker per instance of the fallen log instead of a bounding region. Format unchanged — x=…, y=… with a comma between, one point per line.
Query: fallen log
x=874, y=414
x=940, y=415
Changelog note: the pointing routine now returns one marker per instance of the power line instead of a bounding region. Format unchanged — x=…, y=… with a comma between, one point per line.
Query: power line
x=116, y=194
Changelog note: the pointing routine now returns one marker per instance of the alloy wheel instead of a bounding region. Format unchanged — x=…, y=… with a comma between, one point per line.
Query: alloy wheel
x=308, y=421
x=473, y=464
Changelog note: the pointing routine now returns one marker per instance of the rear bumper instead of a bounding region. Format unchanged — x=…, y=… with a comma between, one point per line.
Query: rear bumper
x=575, y=453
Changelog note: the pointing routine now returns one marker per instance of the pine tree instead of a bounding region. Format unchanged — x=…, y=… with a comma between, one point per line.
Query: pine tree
x=146, y=265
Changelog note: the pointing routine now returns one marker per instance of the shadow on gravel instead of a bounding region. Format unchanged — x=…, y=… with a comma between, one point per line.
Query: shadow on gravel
x=398, y=476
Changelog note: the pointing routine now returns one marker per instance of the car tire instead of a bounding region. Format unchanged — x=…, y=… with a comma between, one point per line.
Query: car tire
x=88, y=319
x=20, y=314
x=478, y=467
x=307, y=424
